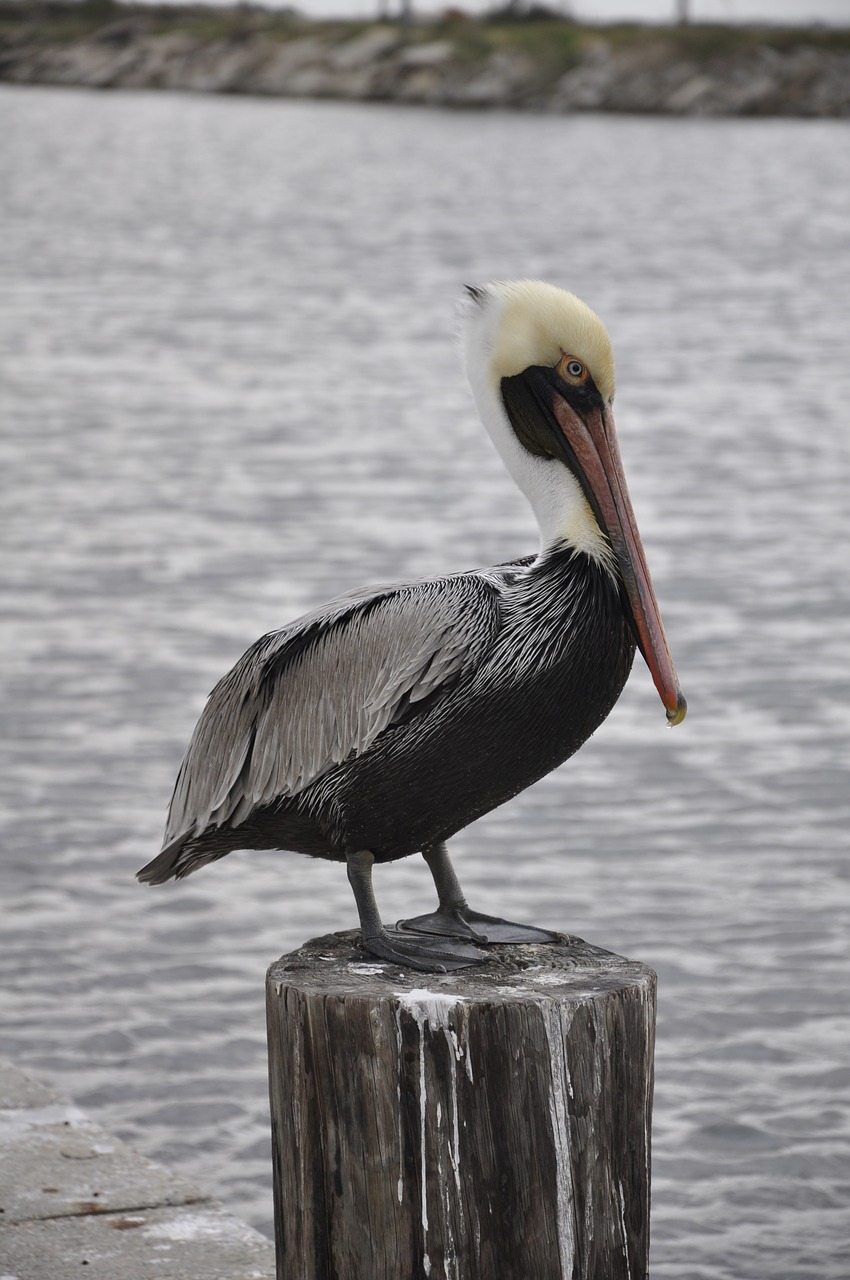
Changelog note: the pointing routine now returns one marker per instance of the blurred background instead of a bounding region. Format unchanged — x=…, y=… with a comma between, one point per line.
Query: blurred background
x=230, y=388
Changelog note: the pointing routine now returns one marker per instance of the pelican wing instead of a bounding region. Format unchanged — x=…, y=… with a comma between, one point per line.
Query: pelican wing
x=322, y=689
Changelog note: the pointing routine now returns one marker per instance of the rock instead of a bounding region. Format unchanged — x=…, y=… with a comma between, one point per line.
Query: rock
x=830, y=94
x=164, y=62
x=284, y=61
x=507, y=78
x=433, y=54
x=364, y=50
x=312, y=82
x=223, y=67
x=356, y=84
x=124, y=31
x=584, y=89
x=423, y=85
x=689, y=94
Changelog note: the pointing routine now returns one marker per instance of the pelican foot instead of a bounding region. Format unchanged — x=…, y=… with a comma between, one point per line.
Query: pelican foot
x=493, y=929
x=447, y=922
x=462, y=922
x=438, y=955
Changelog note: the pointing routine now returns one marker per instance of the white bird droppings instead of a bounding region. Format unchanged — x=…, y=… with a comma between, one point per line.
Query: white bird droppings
x=432, y=1009
x=624, y=1230
x=556, y=1030
x=429, y=1008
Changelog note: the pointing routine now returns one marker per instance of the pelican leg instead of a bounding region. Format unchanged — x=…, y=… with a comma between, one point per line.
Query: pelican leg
x=438, y=955
x=454, y=918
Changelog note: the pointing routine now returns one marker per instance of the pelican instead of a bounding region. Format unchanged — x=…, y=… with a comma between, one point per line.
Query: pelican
x=384, y=722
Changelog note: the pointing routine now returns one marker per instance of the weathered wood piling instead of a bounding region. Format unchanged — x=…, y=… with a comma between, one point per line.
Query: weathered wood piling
x=492, y=1124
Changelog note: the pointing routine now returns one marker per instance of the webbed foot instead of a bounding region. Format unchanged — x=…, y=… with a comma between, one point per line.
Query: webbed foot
x=446, y=922
x=464, y=923
x=437, y=955
x=494, y=929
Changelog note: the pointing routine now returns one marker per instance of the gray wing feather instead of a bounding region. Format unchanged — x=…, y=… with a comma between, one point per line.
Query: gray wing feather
x=321, y=690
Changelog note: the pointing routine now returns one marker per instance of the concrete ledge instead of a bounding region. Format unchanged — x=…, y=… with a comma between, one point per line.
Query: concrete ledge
x=73, y=1196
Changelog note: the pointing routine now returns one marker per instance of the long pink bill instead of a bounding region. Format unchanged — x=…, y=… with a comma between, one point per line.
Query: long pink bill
x=593, y=441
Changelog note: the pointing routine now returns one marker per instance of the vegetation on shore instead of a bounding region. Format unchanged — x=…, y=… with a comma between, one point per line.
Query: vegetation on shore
x=538, y=31
x=534, y=59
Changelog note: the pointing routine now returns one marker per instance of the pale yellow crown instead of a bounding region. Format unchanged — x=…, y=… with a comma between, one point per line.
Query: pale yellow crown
x=540, y=323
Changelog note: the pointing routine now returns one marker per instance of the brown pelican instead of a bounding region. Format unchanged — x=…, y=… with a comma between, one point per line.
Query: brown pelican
x=382, y=723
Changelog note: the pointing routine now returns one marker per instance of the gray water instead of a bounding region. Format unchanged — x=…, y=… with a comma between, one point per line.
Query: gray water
x=230, y=389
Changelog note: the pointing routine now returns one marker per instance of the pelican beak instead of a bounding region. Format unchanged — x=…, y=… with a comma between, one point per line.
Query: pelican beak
x=592, y=440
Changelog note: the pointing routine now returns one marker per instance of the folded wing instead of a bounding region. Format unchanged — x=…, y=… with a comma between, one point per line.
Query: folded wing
x=322, y=690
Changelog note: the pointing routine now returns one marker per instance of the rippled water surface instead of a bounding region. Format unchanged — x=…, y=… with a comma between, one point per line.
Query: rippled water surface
x=230, y=389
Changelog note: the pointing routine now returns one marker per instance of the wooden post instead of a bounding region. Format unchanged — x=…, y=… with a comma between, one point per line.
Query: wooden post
x=491, y=1124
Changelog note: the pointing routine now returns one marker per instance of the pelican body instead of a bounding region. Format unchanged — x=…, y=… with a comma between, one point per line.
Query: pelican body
x=382, y=723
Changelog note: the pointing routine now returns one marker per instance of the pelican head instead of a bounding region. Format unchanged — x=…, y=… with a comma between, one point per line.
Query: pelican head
x=541, y=368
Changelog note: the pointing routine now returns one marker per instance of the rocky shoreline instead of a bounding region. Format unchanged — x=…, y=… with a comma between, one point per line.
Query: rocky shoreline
x=548, y=64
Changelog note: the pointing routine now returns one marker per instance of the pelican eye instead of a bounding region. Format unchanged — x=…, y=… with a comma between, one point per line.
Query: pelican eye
x=570, y=368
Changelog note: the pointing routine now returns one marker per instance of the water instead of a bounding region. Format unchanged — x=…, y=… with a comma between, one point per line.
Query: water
x=230, y=390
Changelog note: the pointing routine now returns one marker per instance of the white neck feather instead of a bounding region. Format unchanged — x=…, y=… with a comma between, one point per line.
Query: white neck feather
x=562, y=512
